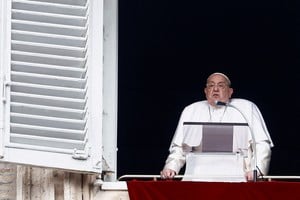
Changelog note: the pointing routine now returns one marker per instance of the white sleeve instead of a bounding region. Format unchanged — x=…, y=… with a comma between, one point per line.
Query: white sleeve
x=263, y=150
x=263, y=153
x=176, y=159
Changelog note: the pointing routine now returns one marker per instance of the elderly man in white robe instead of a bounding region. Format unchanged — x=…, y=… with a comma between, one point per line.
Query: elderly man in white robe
x=218, y=89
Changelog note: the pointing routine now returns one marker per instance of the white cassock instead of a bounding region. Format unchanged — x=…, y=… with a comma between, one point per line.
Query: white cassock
x=240, y=111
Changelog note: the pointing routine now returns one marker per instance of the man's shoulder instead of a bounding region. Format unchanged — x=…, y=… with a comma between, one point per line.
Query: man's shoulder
x=197, y=104
x=239, y=101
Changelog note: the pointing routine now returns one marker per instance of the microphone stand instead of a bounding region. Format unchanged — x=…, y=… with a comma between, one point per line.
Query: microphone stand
x=218, y=103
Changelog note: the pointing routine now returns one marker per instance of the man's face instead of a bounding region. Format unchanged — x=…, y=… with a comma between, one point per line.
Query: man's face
x=217, y=89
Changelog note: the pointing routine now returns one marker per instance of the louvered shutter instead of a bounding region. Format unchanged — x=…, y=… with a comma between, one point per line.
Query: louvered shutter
x=52, y=83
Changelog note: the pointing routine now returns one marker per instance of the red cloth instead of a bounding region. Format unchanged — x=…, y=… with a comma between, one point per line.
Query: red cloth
x=184, y=190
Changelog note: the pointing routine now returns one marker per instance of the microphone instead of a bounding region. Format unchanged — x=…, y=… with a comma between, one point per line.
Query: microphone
x=220, y=103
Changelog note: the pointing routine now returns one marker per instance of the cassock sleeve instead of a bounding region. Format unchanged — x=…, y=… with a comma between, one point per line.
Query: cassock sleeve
x=176, y=159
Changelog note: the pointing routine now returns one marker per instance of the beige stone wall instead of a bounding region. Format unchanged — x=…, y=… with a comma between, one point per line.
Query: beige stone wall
x=32, y=183
x=8, y=176
x=19, y=182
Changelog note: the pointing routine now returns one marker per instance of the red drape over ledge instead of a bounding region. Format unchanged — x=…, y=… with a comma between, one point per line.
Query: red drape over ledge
x=185, y=190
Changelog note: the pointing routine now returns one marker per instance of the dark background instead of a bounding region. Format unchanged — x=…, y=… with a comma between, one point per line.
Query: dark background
x=167, y=48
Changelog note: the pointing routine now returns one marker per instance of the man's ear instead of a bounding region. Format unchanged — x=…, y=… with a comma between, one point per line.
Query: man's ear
x=205, y=90
x=230, y=92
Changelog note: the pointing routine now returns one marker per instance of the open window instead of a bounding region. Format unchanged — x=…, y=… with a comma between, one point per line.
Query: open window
x=52, y=83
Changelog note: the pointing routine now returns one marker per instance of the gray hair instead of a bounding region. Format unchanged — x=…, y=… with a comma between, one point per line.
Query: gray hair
x=221, y=74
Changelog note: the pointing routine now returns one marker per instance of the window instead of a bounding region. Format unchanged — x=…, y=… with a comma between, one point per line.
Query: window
x=52, y=83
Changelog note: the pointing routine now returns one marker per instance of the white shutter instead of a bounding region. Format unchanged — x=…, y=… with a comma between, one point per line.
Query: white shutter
x=51, y=84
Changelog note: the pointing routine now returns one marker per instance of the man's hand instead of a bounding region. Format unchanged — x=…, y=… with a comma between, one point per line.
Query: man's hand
x=167, y=174
x=249, y=175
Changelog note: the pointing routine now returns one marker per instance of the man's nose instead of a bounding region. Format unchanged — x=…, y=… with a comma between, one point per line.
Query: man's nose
x=216, y=87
